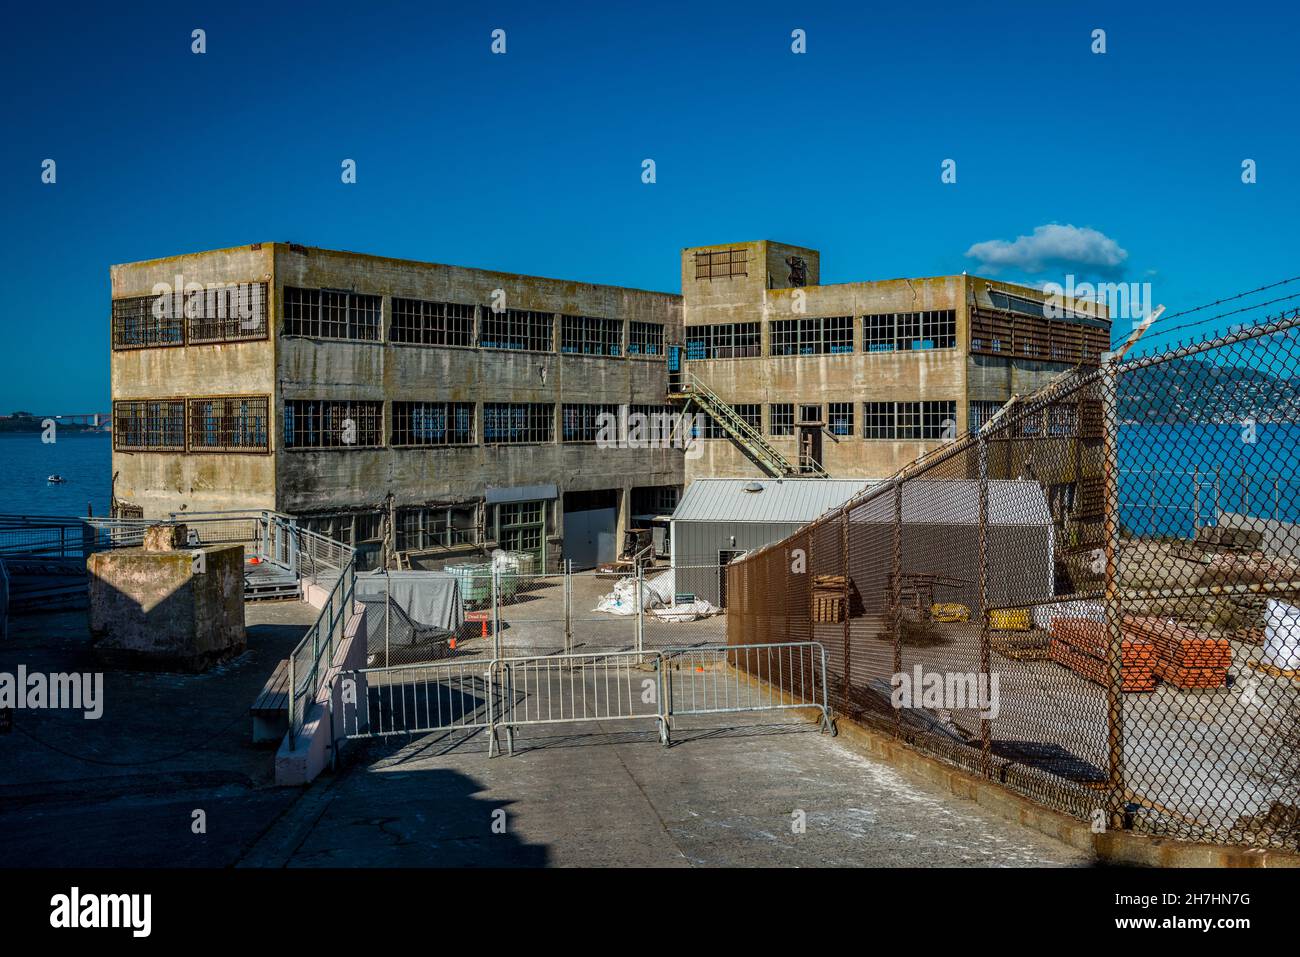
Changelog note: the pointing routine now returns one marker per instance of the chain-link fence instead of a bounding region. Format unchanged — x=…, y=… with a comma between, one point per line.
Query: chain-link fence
x=1094, y=600
x=592, y=611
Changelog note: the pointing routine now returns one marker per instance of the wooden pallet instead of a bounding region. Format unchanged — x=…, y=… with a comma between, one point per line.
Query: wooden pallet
x=1273, y=671
x=827, y=606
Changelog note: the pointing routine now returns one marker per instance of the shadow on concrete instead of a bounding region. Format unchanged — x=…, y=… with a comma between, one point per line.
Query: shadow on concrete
x=427, y=817
x=121, y=791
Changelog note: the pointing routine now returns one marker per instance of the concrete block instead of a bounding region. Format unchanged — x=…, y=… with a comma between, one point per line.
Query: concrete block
x=166, y=610
x=165, y=538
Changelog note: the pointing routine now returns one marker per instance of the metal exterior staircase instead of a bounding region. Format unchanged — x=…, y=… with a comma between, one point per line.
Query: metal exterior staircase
x=689, y=388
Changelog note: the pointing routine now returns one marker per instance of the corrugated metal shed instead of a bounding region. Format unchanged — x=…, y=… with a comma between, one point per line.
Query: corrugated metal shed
x=780, y=500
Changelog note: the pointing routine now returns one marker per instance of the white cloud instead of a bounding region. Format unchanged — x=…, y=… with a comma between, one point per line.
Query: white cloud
x=1077, y=249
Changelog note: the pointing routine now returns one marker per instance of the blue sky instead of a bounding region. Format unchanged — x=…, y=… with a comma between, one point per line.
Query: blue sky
x=531, y=161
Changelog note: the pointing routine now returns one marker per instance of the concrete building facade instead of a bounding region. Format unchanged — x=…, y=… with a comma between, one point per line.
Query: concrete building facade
x=866, y=376
x=442, y=412
x=445, y=411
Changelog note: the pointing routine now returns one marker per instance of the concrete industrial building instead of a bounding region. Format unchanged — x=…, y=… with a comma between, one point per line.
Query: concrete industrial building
x=442, y=412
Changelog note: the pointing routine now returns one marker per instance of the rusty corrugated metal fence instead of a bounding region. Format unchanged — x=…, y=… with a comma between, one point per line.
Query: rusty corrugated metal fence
x=1094, y=600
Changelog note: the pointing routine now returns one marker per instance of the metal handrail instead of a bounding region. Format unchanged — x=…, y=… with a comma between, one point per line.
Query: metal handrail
x=737, y=425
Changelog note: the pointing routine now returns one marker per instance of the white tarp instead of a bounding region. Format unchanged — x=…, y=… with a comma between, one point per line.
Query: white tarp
x=1282, y=636
x=656, y=597
x=1092, y=610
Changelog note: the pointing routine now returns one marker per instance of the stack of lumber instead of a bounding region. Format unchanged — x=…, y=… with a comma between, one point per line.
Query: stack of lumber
x=829, y=595
x=1080, y=644
x=1184, y=657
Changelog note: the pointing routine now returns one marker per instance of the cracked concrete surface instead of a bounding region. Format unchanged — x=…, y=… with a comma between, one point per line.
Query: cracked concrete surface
x=600, y=796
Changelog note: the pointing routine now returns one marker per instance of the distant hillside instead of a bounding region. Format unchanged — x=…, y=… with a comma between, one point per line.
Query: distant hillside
x=1199, y=391
x=26, y=422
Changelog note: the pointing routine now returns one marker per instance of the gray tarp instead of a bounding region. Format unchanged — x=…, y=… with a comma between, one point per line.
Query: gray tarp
x=431, y=599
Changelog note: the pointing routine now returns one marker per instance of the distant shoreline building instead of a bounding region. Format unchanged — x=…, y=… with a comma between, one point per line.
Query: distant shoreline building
x=443, y=412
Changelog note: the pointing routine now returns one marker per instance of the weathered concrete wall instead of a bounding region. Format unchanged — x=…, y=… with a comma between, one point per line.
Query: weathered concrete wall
x=937, y=374
x=383, y=371
x=161, y=482
x=154, y=610
x=861, y=376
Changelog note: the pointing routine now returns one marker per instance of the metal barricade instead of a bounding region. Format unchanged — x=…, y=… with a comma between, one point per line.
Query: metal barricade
x=416, y=699
x=509, y=693
x=561, y=689
x=777, y=676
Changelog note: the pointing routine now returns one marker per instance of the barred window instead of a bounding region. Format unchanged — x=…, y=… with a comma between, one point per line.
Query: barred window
x=138, y=325
x=878, y=333
x=518, y=329
x=660, y=424
x=591, y=336
x=781, y=415
x=436, y=526
x=419, y=322
x=645, y=339
x=909, y=420
x=704, y=426
x=331, y=424
x=235, y=423
x=227, y=313
x=724, y=341
x=980, y=412
x=331, y=314
x=350, y=528
x=813, y=336
x=1027, y=425
x=721, y=263
x=938, y=420
x=583, y=423
x=810, y=415
x=751, y=413
x=433, y=423
x=521, y=526
x=909, y=331
x=878, y=421
x=514, y=423
x=840, y=418
x=908, y=416
x=149, y=425
x=1062, y=418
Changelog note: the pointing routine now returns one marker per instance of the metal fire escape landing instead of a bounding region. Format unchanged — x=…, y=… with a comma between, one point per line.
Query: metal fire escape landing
x=686, y=387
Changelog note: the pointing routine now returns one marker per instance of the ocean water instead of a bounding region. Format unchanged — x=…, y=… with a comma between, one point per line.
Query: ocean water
x=85, y=460
x=1160, y=461
x=1172, y=477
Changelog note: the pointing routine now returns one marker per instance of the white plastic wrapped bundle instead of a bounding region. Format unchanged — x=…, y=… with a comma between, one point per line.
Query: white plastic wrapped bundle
x=1282, y=636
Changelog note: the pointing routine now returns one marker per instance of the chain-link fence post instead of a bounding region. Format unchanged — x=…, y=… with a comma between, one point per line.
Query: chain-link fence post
x=844, y=570
x=388, y=615
x=896, y=591
x=1114, y=613
x=640, y=612
x=986, y=728
x=568, y=606
x=496, y=613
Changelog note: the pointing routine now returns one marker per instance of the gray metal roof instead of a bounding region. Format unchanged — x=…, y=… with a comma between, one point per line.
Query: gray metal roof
x=925, y=501
x=791, y=500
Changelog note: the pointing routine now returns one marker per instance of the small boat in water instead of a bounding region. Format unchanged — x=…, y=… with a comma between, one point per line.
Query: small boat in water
x=56, y=480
